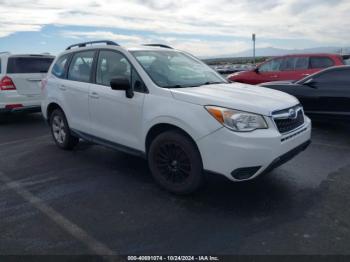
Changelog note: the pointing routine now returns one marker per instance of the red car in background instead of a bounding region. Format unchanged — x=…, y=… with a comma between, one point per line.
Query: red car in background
x=289, y=67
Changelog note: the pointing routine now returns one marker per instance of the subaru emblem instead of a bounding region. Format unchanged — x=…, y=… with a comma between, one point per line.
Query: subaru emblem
x=292, y=113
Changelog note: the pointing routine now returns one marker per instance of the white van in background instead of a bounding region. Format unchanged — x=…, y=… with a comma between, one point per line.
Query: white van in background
x=20, y=81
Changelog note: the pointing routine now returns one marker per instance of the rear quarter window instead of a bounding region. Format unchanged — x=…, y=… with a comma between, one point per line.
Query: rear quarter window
x=28, y=65
x=321, y=62
x=60, y=66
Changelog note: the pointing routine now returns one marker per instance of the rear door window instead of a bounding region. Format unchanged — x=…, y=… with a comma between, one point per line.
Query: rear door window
x=294, y=63
x=28, y=65
x=288, y=64
x=302, y=63
x=80, y=67
x=320, y=62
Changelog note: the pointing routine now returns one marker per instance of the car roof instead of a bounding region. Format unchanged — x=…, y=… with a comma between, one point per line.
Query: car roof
x=311, y=54
x=118, y=47
x=8, y=54
x=32, y=55
x=149, y=48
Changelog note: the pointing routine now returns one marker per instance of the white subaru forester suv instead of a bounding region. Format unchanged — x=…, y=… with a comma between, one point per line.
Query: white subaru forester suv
x=169, y=107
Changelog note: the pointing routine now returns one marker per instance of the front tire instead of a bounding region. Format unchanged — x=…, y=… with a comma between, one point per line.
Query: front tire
x=175, y=163
x=60, y=131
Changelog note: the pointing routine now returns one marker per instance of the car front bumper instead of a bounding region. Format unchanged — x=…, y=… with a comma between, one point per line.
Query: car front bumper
x=245, y=156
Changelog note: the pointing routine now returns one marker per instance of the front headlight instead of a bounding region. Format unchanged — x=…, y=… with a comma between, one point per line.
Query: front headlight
x=237, y=120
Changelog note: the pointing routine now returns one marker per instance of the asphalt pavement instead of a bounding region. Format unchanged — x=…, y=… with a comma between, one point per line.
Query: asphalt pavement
x=95, y=200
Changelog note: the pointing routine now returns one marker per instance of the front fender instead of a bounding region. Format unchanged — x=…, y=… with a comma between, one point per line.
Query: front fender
x=191, y=118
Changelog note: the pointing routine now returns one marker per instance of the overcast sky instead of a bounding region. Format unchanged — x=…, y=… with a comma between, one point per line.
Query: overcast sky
x=203, y=27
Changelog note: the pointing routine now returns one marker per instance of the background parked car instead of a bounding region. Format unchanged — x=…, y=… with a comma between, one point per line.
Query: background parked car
x=290, y=67
x=325, y=94
x=20, y=81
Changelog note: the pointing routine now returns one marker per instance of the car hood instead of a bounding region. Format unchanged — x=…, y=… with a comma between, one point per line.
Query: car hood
x=254, y=99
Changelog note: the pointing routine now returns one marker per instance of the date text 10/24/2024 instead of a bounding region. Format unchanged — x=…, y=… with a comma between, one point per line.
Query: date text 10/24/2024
x=172, y=258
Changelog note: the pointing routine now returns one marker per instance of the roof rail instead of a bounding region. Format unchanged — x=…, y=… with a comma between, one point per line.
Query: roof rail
x=5, y=52
x=159, y=45
x=107, y=42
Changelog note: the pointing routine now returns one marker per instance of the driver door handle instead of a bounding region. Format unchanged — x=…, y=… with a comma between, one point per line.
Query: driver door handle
x=94, y=95
x=274, y=76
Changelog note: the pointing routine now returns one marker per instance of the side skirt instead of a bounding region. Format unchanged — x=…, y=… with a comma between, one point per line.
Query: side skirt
x=108, y=144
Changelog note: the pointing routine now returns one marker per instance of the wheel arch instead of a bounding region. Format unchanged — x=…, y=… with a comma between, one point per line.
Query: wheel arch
x=160, y=128
x=52, y=107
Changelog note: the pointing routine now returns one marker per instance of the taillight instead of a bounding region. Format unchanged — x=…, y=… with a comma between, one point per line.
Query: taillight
x=13, y=106
x=6, y=83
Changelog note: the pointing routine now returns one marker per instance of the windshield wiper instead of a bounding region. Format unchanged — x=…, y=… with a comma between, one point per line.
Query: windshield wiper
x=206, y=83
x=213, y=83
x=209, y=83
x=176, y=86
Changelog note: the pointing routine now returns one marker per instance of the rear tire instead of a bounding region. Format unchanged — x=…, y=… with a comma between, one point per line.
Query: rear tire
x=60, y=131
x=175, y=163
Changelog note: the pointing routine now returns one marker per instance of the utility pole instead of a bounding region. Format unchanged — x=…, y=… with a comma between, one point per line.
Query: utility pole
x=254, y=40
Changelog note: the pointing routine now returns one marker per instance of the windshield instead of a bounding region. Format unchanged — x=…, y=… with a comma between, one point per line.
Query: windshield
x=172, y=69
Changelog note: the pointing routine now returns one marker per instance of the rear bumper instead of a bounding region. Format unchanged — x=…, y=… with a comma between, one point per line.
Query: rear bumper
x=11, y=102
x=24, y=109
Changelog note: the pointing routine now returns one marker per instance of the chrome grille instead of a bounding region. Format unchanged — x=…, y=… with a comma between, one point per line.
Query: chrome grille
x=289, y=119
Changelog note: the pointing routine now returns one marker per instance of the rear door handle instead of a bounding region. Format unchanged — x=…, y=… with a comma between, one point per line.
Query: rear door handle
x=62, y=87
x=275, y=76
x=94, y=95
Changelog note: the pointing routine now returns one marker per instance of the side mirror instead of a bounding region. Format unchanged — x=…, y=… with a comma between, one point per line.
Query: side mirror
x=256, y=70
x=122, y=84
x=310, y=83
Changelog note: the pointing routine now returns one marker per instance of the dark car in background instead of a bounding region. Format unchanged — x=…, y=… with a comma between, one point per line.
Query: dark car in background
x=290, y=67
x=346, y=59
x=324, y=95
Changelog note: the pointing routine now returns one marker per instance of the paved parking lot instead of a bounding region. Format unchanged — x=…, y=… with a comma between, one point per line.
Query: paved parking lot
x=98, y=201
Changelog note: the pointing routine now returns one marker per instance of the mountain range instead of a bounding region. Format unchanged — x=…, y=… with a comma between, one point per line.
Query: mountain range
x=271, y=51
